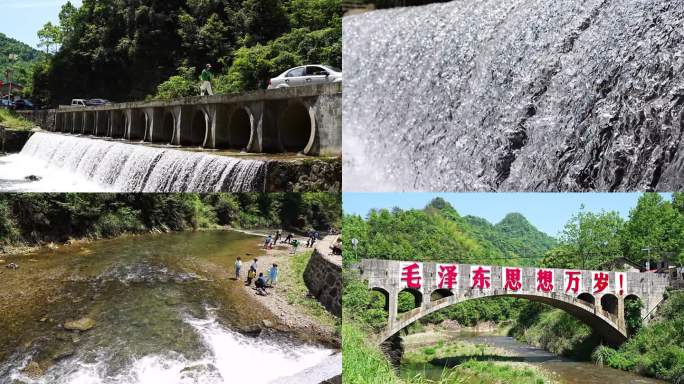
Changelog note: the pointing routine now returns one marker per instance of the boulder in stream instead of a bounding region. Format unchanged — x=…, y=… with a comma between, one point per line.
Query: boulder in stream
x=83, y=324
x=33, y=370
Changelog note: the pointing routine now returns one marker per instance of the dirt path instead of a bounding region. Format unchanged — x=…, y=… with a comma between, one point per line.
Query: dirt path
x=277, y=299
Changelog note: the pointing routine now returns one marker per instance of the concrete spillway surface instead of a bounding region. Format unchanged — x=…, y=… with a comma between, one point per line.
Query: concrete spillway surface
x=68, y=163
x=523, y=95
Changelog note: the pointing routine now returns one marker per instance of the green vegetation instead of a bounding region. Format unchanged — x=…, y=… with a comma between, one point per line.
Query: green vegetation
x=362, y=361
x=137, y=48
x=22, y=67
x=656, y=349
x=9, y=119
x=438, y=232
x=297, y=293
x=41, y=218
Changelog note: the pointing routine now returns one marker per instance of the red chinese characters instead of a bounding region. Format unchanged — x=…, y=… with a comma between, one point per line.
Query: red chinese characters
x=412, y=274
x=448, y=276
x=600, y=281
x=573, y=281
x=545, y=280
x=480, y=277
x=512, y=279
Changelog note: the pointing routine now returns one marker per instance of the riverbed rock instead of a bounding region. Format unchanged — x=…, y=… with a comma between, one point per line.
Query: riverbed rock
x=83, y=324
x=2, y=261
x=32, y=178
x=267, y=323
x=250, y=330
x=33, y=370
x=61, y=351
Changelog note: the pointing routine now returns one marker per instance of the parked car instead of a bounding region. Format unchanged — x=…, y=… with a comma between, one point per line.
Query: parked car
x=6, y=103
x=96, y=102
x=78, y=103
x=22, y=104
x=306, y=75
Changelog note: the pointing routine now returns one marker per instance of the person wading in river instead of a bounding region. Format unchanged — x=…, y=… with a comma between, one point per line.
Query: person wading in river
x=273, y=275
x=238, y=266
x=206, y=77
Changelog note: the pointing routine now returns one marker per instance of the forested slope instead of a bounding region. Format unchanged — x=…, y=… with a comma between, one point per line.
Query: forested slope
x=123, y=50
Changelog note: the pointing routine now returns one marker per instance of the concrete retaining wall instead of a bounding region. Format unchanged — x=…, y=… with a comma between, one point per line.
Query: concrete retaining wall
x=12, y=141
x=323, y=277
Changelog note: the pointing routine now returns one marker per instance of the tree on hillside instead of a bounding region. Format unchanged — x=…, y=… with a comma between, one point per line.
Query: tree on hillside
x=655, y=228
x=588, y=241
x=50, y=36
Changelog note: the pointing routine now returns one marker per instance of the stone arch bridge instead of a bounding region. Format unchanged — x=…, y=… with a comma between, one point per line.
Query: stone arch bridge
x=595, y=297
x=303, y=119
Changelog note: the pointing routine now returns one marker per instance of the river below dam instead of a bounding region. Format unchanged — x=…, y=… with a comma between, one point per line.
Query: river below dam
x=560, y=369
x=164, y=310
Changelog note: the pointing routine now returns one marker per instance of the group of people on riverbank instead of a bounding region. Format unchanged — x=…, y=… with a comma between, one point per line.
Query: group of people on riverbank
x=272, y=240
x=261, y=282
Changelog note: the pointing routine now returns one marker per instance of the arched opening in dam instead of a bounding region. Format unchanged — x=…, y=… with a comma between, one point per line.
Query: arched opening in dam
x=165, y=130
x=89, y=123
x=294, y=127
x=138, y=126
x=102, y=126
x=198, y=129
x=239, y=130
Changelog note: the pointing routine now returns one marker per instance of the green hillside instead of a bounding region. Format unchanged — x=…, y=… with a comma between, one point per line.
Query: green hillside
x=438, y=232
x=26, y=56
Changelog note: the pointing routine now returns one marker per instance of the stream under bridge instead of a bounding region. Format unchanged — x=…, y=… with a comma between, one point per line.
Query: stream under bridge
x=595, y=297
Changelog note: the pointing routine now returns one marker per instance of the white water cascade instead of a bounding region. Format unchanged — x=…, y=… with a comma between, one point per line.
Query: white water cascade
x=67, y=163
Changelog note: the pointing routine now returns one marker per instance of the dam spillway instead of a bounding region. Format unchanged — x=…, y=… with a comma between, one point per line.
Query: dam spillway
x=522, y=95
x=70, y=163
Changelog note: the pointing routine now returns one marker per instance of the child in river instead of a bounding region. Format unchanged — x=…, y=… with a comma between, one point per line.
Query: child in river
x=238, y=266
x=250, y=275
x=273, y=275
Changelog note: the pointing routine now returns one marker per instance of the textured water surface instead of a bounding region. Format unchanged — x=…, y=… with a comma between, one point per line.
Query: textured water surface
x=519, y=95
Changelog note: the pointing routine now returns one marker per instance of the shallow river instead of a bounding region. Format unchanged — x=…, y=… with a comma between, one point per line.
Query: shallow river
x=564, y=371
x=165, y=312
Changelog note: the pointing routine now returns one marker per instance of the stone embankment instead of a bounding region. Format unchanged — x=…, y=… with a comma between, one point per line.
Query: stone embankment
x=323, y=276
x=12, y=141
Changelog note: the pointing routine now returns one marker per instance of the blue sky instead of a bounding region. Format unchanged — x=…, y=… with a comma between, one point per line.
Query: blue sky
x=547, y=211
x=21, y=19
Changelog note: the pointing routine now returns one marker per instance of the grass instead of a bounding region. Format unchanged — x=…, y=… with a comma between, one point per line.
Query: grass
x=292, y=282
x=362, y=361
x=11, y=120
x=456, y=349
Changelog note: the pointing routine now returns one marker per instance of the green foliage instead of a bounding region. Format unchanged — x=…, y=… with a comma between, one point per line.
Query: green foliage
x=183, y=84
x=554, y=330
x=361, y=305
x=39, y=218
x=438, y=232
x=127, y=50
x=633, y=307
x=657, y=224
x=657, y=349
x=362, y=361
x=602, y=355
x=10, y=119
x=588, y=241
x=22, y=68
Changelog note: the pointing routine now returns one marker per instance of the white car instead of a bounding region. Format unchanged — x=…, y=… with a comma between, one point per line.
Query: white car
x=78, y=103
x=306, y=75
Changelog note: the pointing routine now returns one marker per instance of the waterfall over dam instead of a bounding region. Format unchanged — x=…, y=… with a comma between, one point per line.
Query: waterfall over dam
x=519, y=95
x=93, y=164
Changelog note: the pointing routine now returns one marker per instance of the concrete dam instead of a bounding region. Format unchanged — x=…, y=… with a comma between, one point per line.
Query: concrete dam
x=521, y=95
x=276, y=140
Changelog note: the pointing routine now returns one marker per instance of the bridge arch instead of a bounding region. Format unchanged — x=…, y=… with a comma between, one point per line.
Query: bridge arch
x=440, y=293
x=385, y=294
x=603, y=323
x=297, y=128
x=610, y=303
x=587, y=298
x=417, y=298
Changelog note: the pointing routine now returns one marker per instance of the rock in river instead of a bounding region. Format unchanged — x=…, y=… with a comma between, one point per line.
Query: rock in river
x=83, y=324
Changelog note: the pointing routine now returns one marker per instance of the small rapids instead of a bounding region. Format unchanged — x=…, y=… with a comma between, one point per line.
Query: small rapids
x=226, y=357
x=68, y=163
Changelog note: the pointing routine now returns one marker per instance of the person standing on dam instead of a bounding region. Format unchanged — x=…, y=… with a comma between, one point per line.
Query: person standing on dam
x=206, y=77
